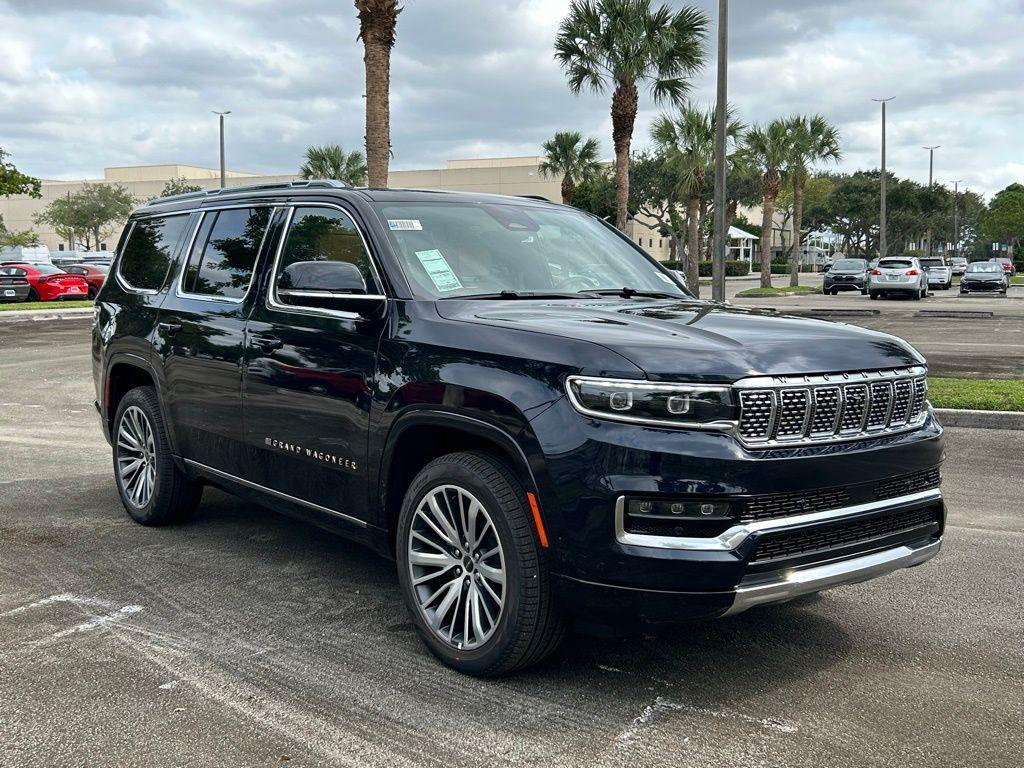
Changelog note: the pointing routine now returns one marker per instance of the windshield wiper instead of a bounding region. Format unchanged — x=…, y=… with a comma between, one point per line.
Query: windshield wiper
x=514, y=295
x=629, y=293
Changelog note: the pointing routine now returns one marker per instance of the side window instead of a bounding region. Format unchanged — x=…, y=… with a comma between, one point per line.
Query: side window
x=74, y=270
x=148, y=252
x=12, y=272
x=224, y=252
x=323, y=254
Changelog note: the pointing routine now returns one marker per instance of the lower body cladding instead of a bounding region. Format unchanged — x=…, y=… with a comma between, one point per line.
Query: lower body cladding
x=790, y=525
x=844, y=285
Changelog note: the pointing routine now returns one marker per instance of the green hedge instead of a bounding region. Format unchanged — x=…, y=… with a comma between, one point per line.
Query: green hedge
x=732, y=268
x=784, y=269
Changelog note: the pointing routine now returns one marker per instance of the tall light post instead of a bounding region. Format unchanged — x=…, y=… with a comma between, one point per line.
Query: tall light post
x=718, y=242
x=956, y=217
x=882, y=246
x=931, y=168
x=223, y=173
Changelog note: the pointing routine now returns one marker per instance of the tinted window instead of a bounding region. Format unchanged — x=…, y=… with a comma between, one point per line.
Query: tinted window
x=321, y=235
x=148, y=252
x=224, y=252
x=932, y=263
x=849, y=265
x=895, y=264
x=12, y=272
x=75, y=270
x=46, y=269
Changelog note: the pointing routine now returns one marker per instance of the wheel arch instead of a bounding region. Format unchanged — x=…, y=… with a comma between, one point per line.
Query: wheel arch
x=124, y=374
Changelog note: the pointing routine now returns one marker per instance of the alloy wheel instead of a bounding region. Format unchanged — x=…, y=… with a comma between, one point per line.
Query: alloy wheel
x=136, y=456
x=456, y=567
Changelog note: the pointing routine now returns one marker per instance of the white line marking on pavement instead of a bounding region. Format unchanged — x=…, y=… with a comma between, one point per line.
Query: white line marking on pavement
x=98, y=621
x=62, y=598
x=661, y=706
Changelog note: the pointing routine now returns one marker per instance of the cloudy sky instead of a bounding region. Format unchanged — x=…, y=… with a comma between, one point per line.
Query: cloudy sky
x=91, y=83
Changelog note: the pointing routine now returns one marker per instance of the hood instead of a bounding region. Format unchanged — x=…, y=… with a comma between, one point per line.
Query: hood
x=698, y=340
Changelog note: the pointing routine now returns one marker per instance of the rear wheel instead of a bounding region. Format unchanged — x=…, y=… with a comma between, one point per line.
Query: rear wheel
x=153, y=490
x=873, y=295
x=470, y=567
x=32, y=295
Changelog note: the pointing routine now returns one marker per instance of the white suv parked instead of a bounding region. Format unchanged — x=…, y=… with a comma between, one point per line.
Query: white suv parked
x=898, y=274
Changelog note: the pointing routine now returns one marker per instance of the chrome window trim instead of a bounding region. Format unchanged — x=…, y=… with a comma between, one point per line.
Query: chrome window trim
x=710, y=426
x=179, y=284
x=271, y=301
x=278, y=494
x=119, y=257
x=731, y=539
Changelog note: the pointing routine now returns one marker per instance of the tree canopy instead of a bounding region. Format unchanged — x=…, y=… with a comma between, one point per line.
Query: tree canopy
x=331, y=161
x=14, y=182
x=89, y=216
x=1003, y=222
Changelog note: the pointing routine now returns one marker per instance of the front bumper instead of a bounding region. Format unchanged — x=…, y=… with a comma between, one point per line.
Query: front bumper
x=844, y=285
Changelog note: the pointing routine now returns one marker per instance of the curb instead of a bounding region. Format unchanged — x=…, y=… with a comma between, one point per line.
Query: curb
x=954, y=417
x=39, y=315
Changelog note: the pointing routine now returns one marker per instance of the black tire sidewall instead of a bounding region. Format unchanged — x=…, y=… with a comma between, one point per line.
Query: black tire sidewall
x=145, y=399
x=517, y=567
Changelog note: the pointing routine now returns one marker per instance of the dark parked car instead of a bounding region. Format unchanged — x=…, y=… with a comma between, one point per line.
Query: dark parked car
x=14, y=285
x=984, y=277
x=846, y=275
x=515, y=402
x=94, y=274
x=48, y=283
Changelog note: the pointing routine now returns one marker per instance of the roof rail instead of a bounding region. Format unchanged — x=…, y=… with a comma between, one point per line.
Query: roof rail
x=312, y=183
x=535, y=197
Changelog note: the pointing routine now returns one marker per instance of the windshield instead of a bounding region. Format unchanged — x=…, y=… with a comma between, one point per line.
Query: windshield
x=464, y=249
x=984, y=267
x=850, y=265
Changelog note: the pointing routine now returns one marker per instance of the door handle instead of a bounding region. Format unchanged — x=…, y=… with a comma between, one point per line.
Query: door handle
x=168, y=328
x=267, y=343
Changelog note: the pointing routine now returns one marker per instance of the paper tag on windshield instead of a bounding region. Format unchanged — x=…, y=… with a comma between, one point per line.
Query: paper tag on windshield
x=438, y=270
x=408, y=225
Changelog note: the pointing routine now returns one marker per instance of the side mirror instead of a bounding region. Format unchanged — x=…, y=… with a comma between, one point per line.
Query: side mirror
x=323, y=277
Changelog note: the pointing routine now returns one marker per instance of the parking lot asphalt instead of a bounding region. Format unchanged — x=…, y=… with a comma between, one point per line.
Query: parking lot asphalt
x=244, y=638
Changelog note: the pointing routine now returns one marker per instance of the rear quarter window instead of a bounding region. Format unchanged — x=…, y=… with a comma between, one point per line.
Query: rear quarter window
x=147, y=255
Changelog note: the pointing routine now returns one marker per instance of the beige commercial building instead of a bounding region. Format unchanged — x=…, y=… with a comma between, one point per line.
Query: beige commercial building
x=497, y=175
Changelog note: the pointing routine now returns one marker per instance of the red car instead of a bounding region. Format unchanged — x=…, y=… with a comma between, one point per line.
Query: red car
x=48, y=283
x=1007, y=264
x=94, y=275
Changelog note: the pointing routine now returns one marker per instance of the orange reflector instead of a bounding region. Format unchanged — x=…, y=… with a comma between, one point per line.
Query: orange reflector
x=541, y=533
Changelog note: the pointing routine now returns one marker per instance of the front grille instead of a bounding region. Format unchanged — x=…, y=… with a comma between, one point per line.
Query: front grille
x=776, y=505
x=792, y=544
x=784, y=411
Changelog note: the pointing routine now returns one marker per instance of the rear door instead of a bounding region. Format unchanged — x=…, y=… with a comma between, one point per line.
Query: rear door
x=200, y=331
x=310, y=361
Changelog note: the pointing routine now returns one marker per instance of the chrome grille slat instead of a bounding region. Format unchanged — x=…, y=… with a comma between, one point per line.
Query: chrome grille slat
x=808, y=410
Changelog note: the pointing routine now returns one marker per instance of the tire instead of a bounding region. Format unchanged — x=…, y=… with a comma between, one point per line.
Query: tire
x=873, y=295
x=92, y=293
x=528, y=626
x=172, y=496
x=917, y=295
x=33, y=295
x=863, y=291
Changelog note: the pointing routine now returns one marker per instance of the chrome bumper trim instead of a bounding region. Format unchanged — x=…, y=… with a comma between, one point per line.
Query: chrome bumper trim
x=732, y=538
x=817, y=578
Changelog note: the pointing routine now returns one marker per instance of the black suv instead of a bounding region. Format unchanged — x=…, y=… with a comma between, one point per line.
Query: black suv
x=533, y=418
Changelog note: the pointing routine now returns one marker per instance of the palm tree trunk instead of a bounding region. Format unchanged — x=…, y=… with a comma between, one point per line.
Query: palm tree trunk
x=767, y=214
x=377, y=21
x=624, y=106
x=568, y=188
x=798, y=215
x=693, y=247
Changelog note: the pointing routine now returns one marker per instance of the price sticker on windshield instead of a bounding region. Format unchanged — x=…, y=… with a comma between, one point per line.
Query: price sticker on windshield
x=405, y=225
x=438, y=270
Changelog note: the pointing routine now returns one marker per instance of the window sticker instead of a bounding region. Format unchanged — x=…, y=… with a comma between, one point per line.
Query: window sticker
x=406, y=225
x=438, y=270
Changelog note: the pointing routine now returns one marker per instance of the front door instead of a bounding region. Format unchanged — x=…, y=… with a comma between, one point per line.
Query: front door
x=200, y=331
x=310, y=358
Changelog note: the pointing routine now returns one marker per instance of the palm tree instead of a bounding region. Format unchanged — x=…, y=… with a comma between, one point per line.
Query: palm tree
x=620, y=44
x=377, y=22
x=688, y=144
x=569, y=156
x=812, y=140
x=330, y=161
x=768, y=151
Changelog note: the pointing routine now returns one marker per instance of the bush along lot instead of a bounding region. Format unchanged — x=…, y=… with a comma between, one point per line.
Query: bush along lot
x=977, y=394
x=732, y=268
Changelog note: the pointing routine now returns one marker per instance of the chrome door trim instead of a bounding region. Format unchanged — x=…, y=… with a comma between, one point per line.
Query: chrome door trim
x=278, y=494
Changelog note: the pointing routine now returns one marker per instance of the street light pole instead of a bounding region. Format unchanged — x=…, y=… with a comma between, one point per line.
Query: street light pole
x=223, y=173
x=718, y=242
x=956, y=217
x=931, y=168
x=882, y=246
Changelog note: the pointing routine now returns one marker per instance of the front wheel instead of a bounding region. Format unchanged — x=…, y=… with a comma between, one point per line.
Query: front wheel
x=470, y=567
x=873, y=295
x=153, y=490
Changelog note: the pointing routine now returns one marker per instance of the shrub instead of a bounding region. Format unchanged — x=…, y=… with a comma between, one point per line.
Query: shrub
x=732, y=268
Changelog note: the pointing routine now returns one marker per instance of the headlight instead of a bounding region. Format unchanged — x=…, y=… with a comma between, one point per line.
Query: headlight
x=695, y=406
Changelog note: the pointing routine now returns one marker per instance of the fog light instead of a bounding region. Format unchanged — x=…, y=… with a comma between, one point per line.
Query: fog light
x=677, y=510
